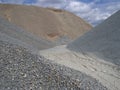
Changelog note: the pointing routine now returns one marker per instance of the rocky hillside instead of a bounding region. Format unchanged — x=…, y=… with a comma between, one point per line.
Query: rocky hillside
x=16, y=35
x=48, y=23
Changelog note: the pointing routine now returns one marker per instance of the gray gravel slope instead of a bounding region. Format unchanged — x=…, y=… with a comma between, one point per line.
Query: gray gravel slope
x=21, y=70
x=102, y=42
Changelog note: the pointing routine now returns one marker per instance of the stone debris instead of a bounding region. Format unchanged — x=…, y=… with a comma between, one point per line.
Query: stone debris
x=22, y=70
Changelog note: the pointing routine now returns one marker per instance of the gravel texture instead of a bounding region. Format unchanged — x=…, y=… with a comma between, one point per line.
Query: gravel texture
x=17, y=35
x=21, y=70
x=103, y=41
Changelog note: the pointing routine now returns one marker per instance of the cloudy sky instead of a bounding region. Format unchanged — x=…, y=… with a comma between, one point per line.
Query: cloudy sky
x=93, y=11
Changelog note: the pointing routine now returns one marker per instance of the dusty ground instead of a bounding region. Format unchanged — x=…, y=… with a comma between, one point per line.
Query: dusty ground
x=107, y=73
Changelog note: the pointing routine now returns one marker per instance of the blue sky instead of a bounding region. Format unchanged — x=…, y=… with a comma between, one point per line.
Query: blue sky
x=93, y=11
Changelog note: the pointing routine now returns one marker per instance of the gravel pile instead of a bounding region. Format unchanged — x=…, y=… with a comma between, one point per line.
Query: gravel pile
x=21, y=70
x=103, y=41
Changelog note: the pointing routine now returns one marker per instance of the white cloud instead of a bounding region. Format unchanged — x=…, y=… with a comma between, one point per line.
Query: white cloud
x=51, y=3
x=96, y=15
x=91, y=12
x=76, y=6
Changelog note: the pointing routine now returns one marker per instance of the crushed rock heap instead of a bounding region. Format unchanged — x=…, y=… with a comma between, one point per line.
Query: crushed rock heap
x=22, y=70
